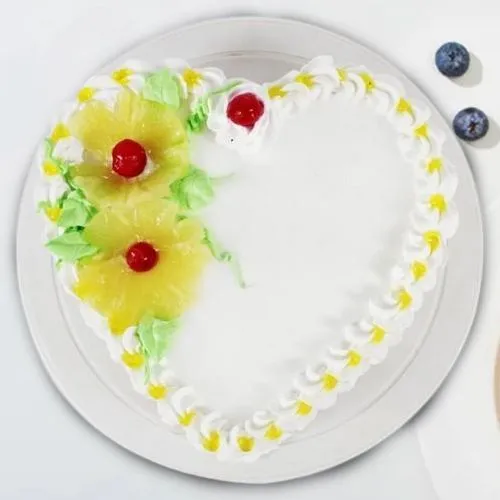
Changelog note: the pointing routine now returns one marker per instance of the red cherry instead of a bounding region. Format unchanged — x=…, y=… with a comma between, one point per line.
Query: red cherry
x=129, y=158
x=142, y=257
x=245, y=109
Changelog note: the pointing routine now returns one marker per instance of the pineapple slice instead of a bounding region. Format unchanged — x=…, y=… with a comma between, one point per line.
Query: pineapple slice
x=154, y=126
x=124, y=296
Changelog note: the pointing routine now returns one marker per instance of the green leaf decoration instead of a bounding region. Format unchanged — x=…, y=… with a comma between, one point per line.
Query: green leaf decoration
x=222, y=255
x=154, y=337
x=214, y=246
x=162, y=87
x=226, y=88
x=49, y=149
x=71, y=246
x=193, y=191
x=60, y=201
x=76, y=210
x=198, y=117
x=63, y=166
x=49, y=146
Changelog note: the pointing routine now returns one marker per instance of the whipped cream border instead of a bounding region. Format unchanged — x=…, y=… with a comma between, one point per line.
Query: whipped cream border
x=433, y=222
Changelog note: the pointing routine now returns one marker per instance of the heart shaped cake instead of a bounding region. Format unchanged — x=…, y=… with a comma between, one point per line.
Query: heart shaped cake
x=246, y=251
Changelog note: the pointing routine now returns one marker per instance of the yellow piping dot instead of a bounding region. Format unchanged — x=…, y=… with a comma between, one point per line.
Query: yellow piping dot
x=368, y=81
x=276, y=92
x=211, y=443
x=353, y=358
x=50, y=168
x=60, y=131
x=246, y=443
x=192, y=78
x=432, y=240
x=418, y=270
x=305, y=79
x=303, y=408
x=157, y=391
x=434, y=165
x=438, y=202
x=85, y=94
x=422, y=132
x=273, y=432
x=403, y=106
x=53, y=213
x=133, y=360
x=342, y=73
x=404, y=299
x=186, y=418
x=378, y=334
x=329, y=382
x=122, y=75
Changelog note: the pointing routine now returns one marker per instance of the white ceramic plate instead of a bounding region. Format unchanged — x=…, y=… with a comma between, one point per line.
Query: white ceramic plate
x=260, y=49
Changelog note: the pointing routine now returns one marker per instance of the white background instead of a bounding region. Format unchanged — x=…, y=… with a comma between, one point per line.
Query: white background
x=47, y=48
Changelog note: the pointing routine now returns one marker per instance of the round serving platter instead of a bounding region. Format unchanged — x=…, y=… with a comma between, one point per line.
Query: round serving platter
x=259, y=49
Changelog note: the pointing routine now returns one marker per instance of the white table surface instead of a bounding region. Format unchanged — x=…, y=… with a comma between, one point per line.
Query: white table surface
x=450, y=451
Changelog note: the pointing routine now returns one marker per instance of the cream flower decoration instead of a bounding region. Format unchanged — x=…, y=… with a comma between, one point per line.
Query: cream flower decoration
x=209, y=435
x=318, y=78
x=195, y=82
x=373, y=338
x=103, y=88
x=244, y=139
x=182, y=410
x=297, y=412
x=322, y=385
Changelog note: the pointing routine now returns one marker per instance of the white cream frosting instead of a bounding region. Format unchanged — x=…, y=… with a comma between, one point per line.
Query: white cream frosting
x=195, y=82
x=365, y=343
x=234, y=136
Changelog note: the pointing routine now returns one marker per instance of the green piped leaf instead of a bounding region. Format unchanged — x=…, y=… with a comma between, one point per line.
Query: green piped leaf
x=49, y=148
x=76, y=210
x=154, y=337
x=193, y=191
x=222, y=255
x=63, y=166
x=198, y=117
x=215, y=247
x=162, y=87
x=71, y=246
x=226, y=88
x=60, y=201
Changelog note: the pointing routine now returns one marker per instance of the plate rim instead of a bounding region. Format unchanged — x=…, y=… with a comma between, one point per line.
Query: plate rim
x=239, y=475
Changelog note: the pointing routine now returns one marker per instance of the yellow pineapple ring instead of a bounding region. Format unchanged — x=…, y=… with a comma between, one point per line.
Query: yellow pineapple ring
x=155, y=127
x=123, y=296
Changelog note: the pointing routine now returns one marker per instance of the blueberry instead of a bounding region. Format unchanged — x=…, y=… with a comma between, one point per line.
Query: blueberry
x=471, y=124
x=452, y=59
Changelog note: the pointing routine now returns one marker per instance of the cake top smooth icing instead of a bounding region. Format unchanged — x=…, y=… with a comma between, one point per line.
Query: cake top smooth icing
x=270, y=220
